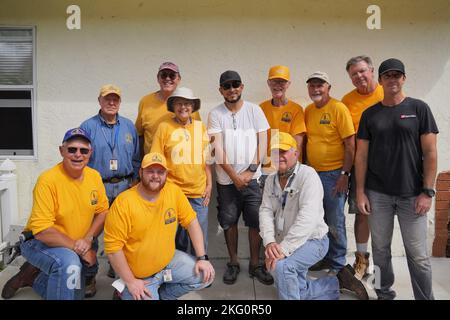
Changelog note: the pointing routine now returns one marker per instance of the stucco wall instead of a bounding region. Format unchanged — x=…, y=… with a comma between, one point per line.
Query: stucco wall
x=123, y=42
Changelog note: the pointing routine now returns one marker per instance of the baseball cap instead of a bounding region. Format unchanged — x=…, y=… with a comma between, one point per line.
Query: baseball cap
x=109, y=88
x=76, y=132
x=283, y=141
x=170, y=66
x=279, y=72
x=185, y=93
x=154, y=158
x=391, y=65
x=229, y=75
x=319, y=75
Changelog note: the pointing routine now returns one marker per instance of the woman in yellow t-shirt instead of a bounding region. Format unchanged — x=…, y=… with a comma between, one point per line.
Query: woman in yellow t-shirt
x=184, y=142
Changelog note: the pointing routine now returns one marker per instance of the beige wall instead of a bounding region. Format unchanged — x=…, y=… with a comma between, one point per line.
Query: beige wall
x=124, y=42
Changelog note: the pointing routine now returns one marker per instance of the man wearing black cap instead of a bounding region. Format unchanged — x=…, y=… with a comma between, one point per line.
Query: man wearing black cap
x=69, y=210
x=239, y=132
x=395, y=163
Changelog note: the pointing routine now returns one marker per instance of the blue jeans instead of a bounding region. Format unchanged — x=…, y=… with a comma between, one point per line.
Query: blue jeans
x=291, y=278
x=114, y=189
x=182, y=240
x=62, y=275
x=335, y=219
x=183, y=281
x=414, y=234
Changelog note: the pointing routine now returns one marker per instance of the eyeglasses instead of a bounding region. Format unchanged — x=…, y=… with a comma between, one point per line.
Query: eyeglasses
x=184, y=103
x=74, y=150
x=228, y=85
x=164, y=74
x=394, y=75
x=278, y=82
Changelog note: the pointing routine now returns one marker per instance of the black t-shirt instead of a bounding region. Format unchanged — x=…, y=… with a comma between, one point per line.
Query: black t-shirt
x=395, y=154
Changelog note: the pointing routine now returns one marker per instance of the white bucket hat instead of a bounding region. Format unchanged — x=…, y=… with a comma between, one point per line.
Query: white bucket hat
x=184, y=93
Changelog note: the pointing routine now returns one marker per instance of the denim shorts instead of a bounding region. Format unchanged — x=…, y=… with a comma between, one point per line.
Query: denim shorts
x=231, y=202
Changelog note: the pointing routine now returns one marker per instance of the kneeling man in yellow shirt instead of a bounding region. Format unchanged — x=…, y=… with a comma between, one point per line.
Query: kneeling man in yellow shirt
x=140, y=238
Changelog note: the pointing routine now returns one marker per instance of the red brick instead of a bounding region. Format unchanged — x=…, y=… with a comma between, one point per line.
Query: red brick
x=441, y=213
x=439, y=246
x=443, y=195
x=444, y=175
x=443, y=185
x=442, y=204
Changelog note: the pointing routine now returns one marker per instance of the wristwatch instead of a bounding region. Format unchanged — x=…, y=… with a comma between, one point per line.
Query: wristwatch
x=204, y=257
x=345, y=173
x=429, y=192
x=253, y=167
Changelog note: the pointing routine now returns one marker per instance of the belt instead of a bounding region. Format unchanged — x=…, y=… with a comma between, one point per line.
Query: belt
x=117, y=179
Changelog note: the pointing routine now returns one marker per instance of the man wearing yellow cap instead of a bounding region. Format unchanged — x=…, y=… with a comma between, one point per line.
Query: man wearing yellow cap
x=140, y=238
x=115, y=152
x=282, y=114
x=294, y=233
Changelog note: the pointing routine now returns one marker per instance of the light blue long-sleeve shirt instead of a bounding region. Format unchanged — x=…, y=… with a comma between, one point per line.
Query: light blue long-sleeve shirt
x=108, y=144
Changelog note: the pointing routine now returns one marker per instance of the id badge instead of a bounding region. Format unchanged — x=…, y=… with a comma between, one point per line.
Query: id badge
x=113, y=164
x=167, y=275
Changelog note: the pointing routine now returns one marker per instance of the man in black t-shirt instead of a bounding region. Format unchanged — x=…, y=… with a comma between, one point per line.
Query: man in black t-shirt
x=395, y=163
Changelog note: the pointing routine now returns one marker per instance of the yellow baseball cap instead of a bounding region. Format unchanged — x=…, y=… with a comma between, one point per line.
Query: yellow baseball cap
x=283, y=141
x=154, y=158
x=279, y=72
x=110, y=88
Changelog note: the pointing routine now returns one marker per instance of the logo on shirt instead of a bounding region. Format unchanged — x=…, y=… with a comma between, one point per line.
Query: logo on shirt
x=94, y=197
x=128, y=138
x=325, y=119
x=169, y=216
x=286, y=117
x=406, y=116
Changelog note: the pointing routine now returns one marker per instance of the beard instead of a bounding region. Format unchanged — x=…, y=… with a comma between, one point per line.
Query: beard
x=153, y=185
x=234, y=100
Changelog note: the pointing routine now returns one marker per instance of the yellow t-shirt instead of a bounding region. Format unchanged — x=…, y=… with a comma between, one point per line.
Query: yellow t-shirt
x=326, y=128
x=66, y=204
x=185, y=148
x=357, y=103
x=152, y=111
x=145, y=231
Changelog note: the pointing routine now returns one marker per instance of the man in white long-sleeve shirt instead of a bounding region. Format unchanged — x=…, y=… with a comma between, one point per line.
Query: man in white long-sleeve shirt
x=293, y=229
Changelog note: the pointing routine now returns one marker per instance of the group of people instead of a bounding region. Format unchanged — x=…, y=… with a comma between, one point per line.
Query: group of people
x=289, y=172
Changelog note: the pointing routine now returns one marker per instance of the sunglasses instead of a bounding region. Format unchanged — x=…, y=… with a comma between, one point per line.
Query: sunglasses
x=228, y=85
x=74, y=150
x=170, y=74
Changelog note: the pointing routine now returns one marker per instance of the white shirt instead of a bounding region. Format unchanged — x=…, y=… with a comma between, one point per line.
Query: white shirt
x=239, y=133
x=302, y=217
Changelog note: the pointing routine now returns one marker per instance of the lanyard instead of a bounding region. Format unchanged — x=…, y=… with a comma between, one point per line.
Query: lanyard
x=116, y=136
x=285, y=191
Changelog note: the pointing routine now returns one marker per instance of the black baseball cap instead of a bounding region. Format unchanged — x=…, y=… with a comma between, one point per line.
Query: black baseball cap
x=391, y=65
x=229, y=75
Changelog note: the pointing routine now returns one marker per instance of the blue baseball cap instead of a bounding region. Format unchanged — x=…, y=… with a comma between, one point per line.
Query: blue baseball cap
x=76, y=132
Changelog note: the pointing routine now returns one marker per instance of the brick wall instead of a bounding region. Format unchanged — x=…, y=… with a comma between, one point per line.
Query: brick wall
x=441, y=214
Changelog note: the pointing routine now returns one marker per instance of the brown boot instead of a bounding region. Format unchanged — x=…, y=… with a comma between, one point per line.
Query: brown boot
x=24, y=278
x=361, y=264
x=348, y=281
x=90, y=290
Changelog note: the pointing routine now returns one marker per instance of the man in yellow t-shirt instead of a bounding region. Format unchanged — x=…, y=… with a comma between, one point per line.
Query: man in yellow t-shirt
x=330, y=150
x=282, y=114
x=153, y=108
x=69, y=210
x=367, y=92
x=140, y=238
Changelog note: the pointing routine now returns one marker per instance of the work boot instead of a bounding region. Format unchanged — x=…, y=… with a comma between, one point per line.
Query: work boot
x=321, y=265
x=361, y=265
x=348, y=281
x=231, y=273
x=90, y=290
x=24, y=278
x=259, y=272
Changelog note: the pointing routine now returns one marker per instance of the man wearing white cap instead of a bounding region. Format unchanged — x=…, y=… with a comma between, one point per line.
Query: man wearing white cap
x=153, y=108
x=330, y=150
x=140, y=238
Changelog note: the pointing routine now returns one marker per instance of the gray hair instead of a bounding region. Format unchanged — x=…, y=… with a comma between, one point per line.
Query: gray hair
x=357, y=59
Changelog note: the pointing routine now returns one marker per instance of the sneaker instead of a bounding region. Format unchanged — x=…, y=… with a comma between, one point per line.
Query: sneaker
x=321, y=265
x=348, y=281
x=259, y=272
x=231, y=274
x=90, y=289
x=111, y=273
x=361, y=265
x=24, y=278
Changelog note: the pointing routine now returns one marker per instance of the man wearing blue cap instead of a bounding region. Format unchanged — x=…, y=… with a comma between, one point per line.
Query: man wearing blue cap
x=396, y=160
x=69, y=210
